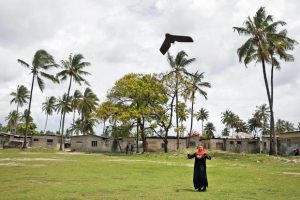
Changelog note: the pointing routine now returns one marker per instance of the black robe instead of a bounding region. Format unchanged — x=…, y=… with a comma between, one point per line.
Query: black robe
x=200, y=177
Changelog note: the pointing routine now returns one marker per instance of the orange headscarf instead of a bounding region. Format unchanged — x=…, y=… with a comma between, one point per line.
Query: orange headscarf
x=201, y=152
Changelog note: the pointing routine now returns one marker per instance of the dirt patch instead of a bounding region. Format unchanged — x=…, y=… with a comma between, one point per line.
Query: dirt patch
x=37, y=159
x=154, y=161
x=292, y=173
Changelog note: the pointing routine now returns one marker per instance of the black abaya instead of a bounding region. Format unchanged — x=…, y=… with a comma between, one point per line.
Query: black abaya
x=200, y=177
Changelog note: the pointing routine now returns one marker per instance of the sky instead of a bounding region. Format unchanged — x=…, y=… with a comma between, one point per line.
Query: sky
x=119, y=37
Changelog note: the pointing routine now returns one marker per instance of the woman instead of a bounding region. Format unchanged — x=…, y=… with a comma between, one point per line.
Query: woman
x=200, y=178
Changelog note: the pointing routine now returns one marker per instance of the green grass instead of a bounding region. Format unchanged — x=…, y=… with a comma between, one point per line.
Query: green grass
x=48, y=174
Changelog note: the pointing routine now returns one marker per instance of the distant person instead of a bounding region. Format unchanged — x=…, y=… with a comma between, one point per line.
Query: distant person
x=200, y=177
x=131, y=148
x=127, y=148
x=296, y=152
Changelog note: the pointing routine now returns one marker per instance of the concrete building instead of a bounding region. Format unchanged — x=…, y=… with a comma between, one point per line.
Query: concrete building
x=45, y=141
x=288, y=142
x=157, y=144
x=242, y=145
x=95, y=143
x=213, y=143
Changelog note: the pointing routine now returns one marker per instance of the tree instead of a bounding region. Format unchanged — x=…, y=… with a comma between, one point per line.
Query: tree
x=194, y=85
x=63, y=105
x=225, y=132
x=228, y=118
x=254, y=123
x=12, y=119
x=264, y=44
x=48, y=107
x=179, y=72
x=73, y=68
x=202, y=115
x=87, y=105
x=20, y=97
x=262, y=113
x=42, y=61
x=209, y=129
x=134, y=99
x=74, y=103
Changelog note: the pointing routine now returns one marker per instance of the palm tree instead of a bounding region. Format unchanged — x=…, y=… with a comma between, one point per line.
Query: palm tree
x=289, y=126
x=194, y=85
x=263, y=114
x=86, y=105
x=280, y=126
x=20, y=98
x=209, y=130
x=12, y=119
x=73, y=68
x=202, y=115
x=254, y=123
x=178, y=71
x=42, y=61
x=48, y=107
x=63, y=105
x=74, y=103
x=264, y=44
x=229, y=119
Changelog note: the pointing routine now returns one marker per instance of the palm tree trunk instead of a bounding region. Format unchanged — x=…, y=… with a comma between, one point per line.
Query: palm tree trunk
x=28, y=114
x=46, y=124
x=272, y=112
x=192, y=114
x=137, y=136
x=176, y=108
x=61, y=146
x=16, y=122
x=61, y=115
x=63, y=120
x=202, y=126
x=271, y=152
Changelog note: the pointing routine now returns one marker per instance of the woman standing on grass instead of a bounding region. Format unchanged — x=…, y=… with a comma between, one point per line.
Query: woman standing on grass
x=200, y=178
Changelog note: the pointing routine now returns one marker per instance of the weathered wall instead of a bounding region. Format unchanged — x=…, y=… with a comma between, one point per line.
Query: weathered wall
x=45, y=141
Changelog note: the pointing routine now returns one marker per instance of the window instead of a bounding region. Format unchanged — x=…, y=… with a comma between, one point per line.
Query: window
x=239, y=142
x=252, y=142
x=231, y=142
x=162, y=145
x=35, y=139
x=192, y=143
x=94, y=143
x=49, y=141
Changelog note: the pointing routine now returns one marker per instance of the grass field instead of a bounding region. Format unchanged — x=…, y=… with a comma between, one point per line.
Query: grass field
x=44, y=174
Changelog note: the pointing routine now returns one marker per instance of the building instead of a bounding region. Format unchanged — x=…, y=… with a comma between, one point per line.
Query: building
x=213, y=143
x=157, y=144
x=288, y=142
x=46, y=141
x=242, y=145
x=95, y=143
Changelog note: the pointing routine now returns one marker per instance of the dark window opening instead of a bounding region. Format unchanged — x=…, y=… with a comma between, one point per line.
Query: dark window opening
x=94, y=143
x=35, y=139
x=239, y=142
x=231, y=142
x=163, y=145
x=192, y=143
